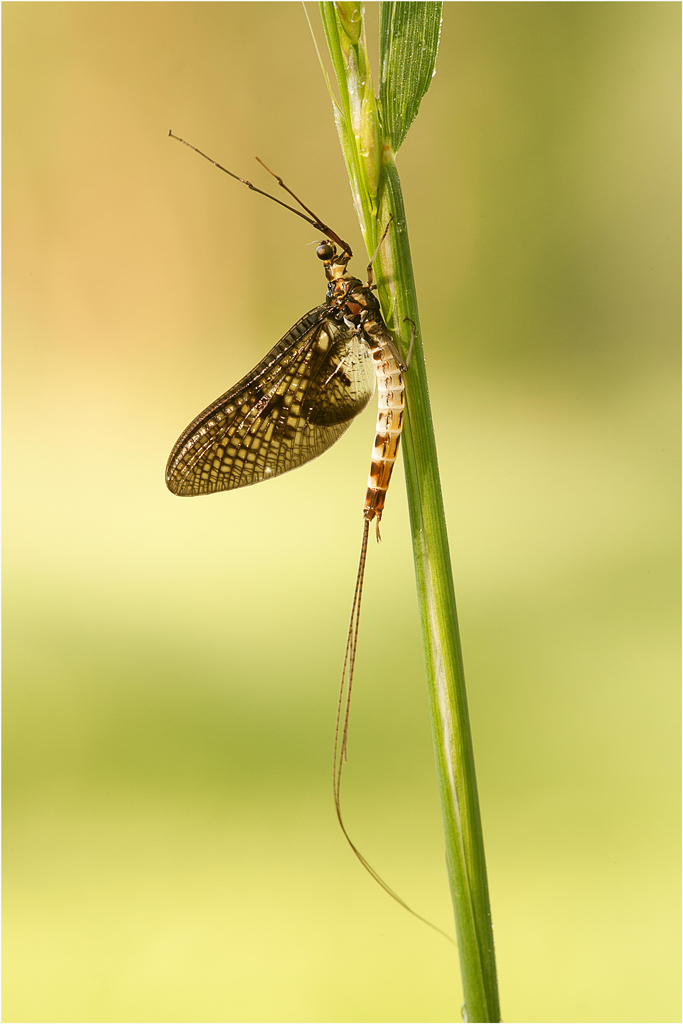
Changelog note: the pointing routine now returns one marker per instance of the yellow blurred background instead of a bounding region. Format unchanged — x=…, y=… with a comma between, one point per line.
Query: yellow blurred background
x=171, y=666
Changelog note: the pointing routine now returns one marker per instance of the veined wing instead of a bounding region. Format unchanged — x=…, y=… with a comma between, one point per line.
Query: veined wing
x=289, y=409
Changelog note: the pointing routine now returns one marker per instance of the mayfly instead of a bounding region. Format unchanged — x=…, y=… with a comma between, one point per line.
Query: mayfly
x=294, y=405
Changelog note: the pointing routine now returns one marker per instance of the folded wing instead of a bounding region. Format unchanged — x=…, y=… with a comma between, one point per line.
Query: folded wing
x=289, y=409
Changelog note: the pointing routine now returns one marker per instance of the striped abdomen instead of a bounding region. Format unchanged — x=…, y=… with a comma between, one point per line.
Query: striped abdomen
x=390, y=388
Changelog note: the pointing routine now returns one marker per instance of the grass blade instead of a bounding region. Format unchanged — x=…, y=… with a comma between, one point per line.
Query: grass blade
x=408, y=42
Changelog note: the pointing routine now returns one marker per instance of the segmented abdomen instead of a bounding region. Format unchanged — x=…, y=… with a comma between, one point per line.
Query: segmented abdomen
x=390, y=388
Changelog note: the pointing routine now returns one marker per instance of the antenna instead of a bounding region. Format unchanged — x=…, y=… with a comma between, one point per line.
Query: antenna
x=312, y=219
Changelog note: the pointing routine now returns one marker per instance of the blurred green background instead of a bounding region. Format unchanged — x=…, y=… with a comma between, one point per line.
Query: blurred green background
x=171, y=666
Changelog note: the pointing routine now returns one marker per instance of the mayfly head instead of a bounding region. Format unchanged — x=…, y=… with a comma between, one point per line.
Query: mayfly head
x=335, y=263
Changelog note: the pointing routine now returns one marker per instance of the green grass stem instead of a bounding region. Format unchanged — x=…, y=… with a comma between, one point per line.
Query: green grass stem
x=370, y=132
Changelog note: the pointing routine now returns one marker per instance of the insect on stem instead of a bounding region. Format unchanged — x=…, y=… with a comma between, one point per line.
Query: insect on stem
x=293, y=406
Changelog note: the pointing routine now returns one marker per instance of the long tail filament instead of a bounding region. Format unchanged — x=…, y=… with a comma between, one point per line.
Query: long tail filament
x=341, y=732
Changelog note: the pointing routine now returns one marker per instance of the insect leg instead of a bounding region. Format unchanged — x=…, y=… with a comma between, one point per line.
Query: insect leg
x=407, y=320
x=318, y=222
x=374, y=255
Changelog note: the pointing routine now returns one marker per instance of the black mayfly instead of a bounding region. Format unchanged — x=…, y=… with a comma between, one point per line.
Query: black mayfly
x=293, y=406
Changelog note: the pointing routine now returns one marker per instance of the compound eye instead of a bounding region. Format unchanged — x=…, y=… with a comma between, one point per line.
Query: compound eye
x=325, y=251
